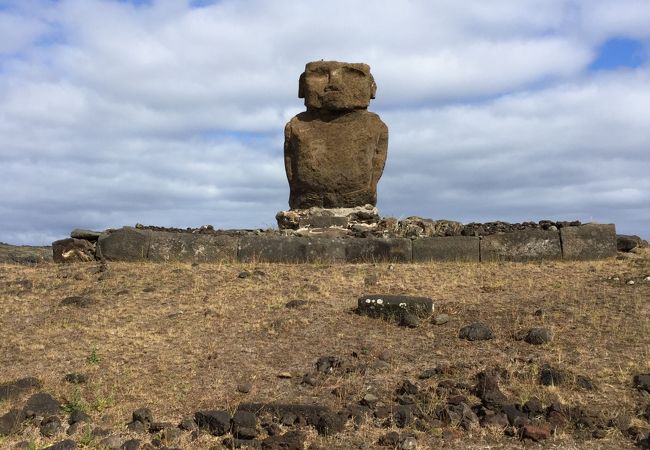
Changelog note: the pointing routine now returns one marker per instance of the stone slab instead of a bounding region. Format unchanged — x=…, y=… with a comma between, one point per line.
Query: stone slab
x=368, y=250
x=125, y=244
x=391, y=306
x=589, y=241
x=189, y=247
x=450, y=248
x=290, y=249
x=89, y=235
x=521, y=246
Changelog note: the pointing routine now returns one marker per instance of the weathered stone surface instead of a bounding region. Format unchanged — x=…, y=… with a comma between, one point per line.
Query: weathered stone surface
x=41, y=404
x=10, y=422
x=291, y=440
x=50, y=426
x=244, y=425
x=189, y=247
x=538, y=336
x=290, y=249
x=378, y=249
x=216, y=422
x=642, y=382
x=416, y=227
x=625, y=243
x=13, y=389
x=67, y=444
x=450, y=248
x=336, y=86
x=72, y=250
x=523, y=245
x=590, y=241
x=316, y=218
x=322, y=418
x=125, y=244
x=231, y=443
x=88, y=235
x=487, y=389
x=394, y=306
x=335, y=151
x=536, y=432
x=477, y=331
x=143, y=415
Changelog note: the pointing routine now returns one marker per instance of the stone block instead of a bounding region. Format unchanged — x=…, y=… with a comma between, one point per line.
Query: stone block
x=125, y=244
x=190, y=247
x=390, y=306
x=290, y=249
x=625, y=243
x=589, y=241
x=88, y=235
x=521, y=245
x=449, y=248
x=378, y=250
x=73, y=250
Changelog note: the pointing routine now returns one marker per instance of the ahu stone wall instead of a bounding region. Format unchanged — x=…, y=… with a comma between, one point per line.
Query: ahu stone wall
x=584, y=242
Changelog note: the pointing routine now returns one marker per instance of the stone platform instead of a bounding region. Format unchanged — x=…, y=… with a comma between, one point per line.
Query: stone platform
x=576, y=242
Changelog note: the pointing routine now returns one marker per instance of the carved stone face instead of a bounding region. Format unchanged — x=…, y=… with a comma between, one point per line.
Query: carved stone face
x=336, y=86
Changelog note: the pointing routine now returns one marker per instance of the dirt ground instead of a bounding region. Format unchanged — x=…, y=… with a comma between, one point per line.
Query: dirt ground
x=178, y=338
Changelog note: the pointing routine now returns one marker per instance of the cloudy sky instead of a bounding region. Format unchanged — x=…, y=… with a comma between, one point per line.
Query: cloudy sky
x=171, y=112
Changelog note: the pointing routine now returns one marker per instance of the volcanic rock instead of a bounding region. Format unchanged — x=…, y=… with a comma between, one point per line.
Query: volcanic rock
x=292, y=440
x=538, y=336
x=642, y=382
x=477, y=331
x=335, y=152
x=41, y=404
x=12, y=390
x=216, y=422
x=73, y=250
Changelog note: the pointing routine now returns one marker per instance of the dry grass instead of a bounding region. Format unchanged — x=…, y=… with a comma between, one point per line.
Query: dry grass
x=201, y=330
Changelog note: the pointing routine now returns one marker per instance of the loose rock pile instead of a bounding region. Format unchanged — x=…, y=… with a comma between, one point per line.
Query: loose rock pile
x=434, y=401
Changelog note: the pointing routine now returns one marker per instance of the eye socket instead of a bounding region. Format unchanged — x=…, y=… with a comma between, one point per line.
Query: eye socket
x=318, y=71
x=351, y=71
x=317, y=75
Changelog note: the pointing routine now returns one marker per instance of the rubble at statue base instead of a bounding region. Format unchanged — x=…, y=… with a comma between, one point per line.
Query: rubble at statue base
x=361, y=221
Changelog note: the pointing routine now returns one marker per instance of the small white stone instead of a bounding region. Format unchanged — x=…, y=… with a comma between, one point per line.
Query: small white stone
x=380, y=301
x=368, y=300
x=402, y=305
x=647, y=278
x=616, y=278
x=631, y=282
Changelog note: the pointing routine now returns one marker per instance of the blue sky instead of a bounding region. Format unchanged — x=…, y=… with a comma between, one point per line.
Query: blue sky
x=172, y=113
x=619, y=53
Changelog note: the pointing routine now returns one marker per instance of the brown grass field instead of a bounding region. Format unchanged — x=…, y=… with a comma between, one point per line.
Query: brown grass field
x=178, y=338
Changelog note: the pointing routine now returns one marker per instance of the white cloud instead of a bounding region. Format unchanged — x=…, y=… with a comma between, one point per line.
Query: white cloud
x=112, y=114
x=17, y=33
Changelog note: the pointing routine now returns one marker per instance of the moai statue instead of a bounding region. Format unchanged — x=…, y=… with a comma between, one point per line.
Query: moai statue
x=334, y=153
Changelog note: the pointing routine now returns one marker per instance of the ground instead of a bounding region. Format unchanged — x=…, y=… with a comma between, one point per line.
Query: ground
x=178, y=338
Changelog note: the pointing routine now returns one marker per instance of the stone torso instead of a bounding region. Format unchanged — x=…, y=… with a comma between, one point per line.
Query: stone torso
x=334, y=160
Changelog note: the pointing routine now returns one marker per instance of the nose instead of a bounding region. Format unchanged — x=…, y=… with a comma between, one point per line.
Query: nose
x=334, y=81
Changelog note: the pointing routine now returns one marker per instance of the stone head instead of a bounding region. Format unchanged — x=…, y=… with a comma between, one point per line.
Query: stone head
x=336, y=86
